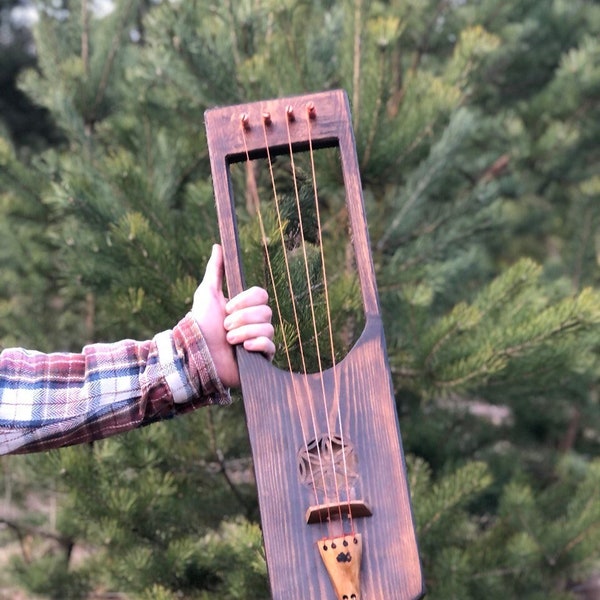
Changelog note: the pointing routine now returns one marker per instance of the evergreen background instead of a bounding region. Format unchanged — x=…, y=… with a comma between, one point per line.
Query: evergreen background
x=477, y=127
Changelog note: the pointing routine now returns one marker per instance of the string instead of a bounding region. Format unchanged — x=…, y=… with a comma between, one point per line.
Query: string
x=297, y=321
x=264, y=239
x=328, y=310
x=265, y=242
x=311, y=299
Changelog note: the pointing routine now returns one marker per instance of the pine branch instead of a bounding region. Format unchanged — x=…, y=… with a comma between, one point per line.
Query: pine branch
x=375, y=120
x=578, y=539
x=452, y=492
x=220, y=456
x=356, y=61
x=85, y=37
x=23, y=530
x=112, y=55
x=423, y=45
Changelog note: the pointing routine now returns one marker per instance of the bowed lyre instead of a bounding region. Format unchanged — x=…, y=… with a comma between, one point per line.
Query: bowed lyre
x=328, y=460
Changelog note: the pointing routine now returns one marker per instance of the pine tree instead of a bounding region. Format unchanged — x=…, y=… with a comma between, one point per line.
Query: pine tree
x=475, y=126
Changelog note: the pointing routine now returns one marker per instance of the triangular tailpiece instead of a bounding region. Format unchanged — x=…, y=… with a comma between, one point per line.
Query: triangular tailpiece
x=342, y=557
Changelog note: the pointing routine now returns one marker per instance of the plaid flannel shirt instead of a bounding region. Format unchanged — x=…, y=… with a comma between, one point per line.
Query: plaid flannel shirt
x=53, y=400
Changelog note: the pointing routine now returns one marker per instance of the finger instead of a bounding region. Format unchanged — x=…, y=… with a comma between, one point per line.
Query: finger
x=248, y=316
x=239, y=335
x=261, y=344
x=213, y=276
x=251, y=297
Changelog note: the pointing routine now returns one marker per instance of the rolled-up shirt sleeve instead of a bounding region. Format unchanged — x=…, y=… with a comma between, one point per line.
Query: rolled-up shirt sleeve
x=59, y=399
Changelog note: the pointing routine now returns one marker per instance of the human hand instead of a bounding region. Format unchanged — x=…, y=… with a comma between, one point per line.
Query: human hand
x=245, y=319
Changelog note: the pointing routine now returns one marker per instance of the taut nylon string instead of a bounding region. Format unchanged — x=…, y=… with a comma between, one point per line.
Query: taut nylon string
x=334, y=407
x=295, y=311
x=327, y=305
x=265, y=241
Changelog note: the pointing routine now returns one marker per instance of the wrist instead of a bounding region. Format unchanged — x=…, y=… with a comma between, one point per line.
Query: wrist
x=198, y=363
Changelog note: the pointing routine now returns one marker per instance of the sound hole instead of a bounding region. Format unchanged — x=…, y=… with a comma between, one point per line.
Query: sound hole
x=297, y=244
x=328, y=464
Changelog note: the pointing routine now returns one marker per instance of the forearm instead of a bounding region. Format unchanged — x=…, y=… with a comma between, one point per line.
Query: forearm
x=53, y=400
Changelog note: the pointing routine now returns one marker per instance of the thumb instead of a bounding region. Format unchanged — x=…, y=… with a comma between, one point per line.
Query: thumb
x=213, y=276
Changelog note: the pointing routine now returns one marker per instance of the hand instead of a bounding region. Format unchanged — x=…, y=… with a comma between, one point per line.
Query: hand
x=245, y=319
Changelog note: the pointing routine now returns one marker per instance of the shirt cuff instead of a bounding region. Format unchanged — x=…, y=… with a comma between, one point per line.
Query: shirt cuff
x=187, y=364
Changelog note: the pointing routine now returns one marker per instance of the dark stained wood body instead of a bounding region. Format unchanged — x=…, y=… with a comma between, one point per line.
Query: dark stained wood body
x=276, y=401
